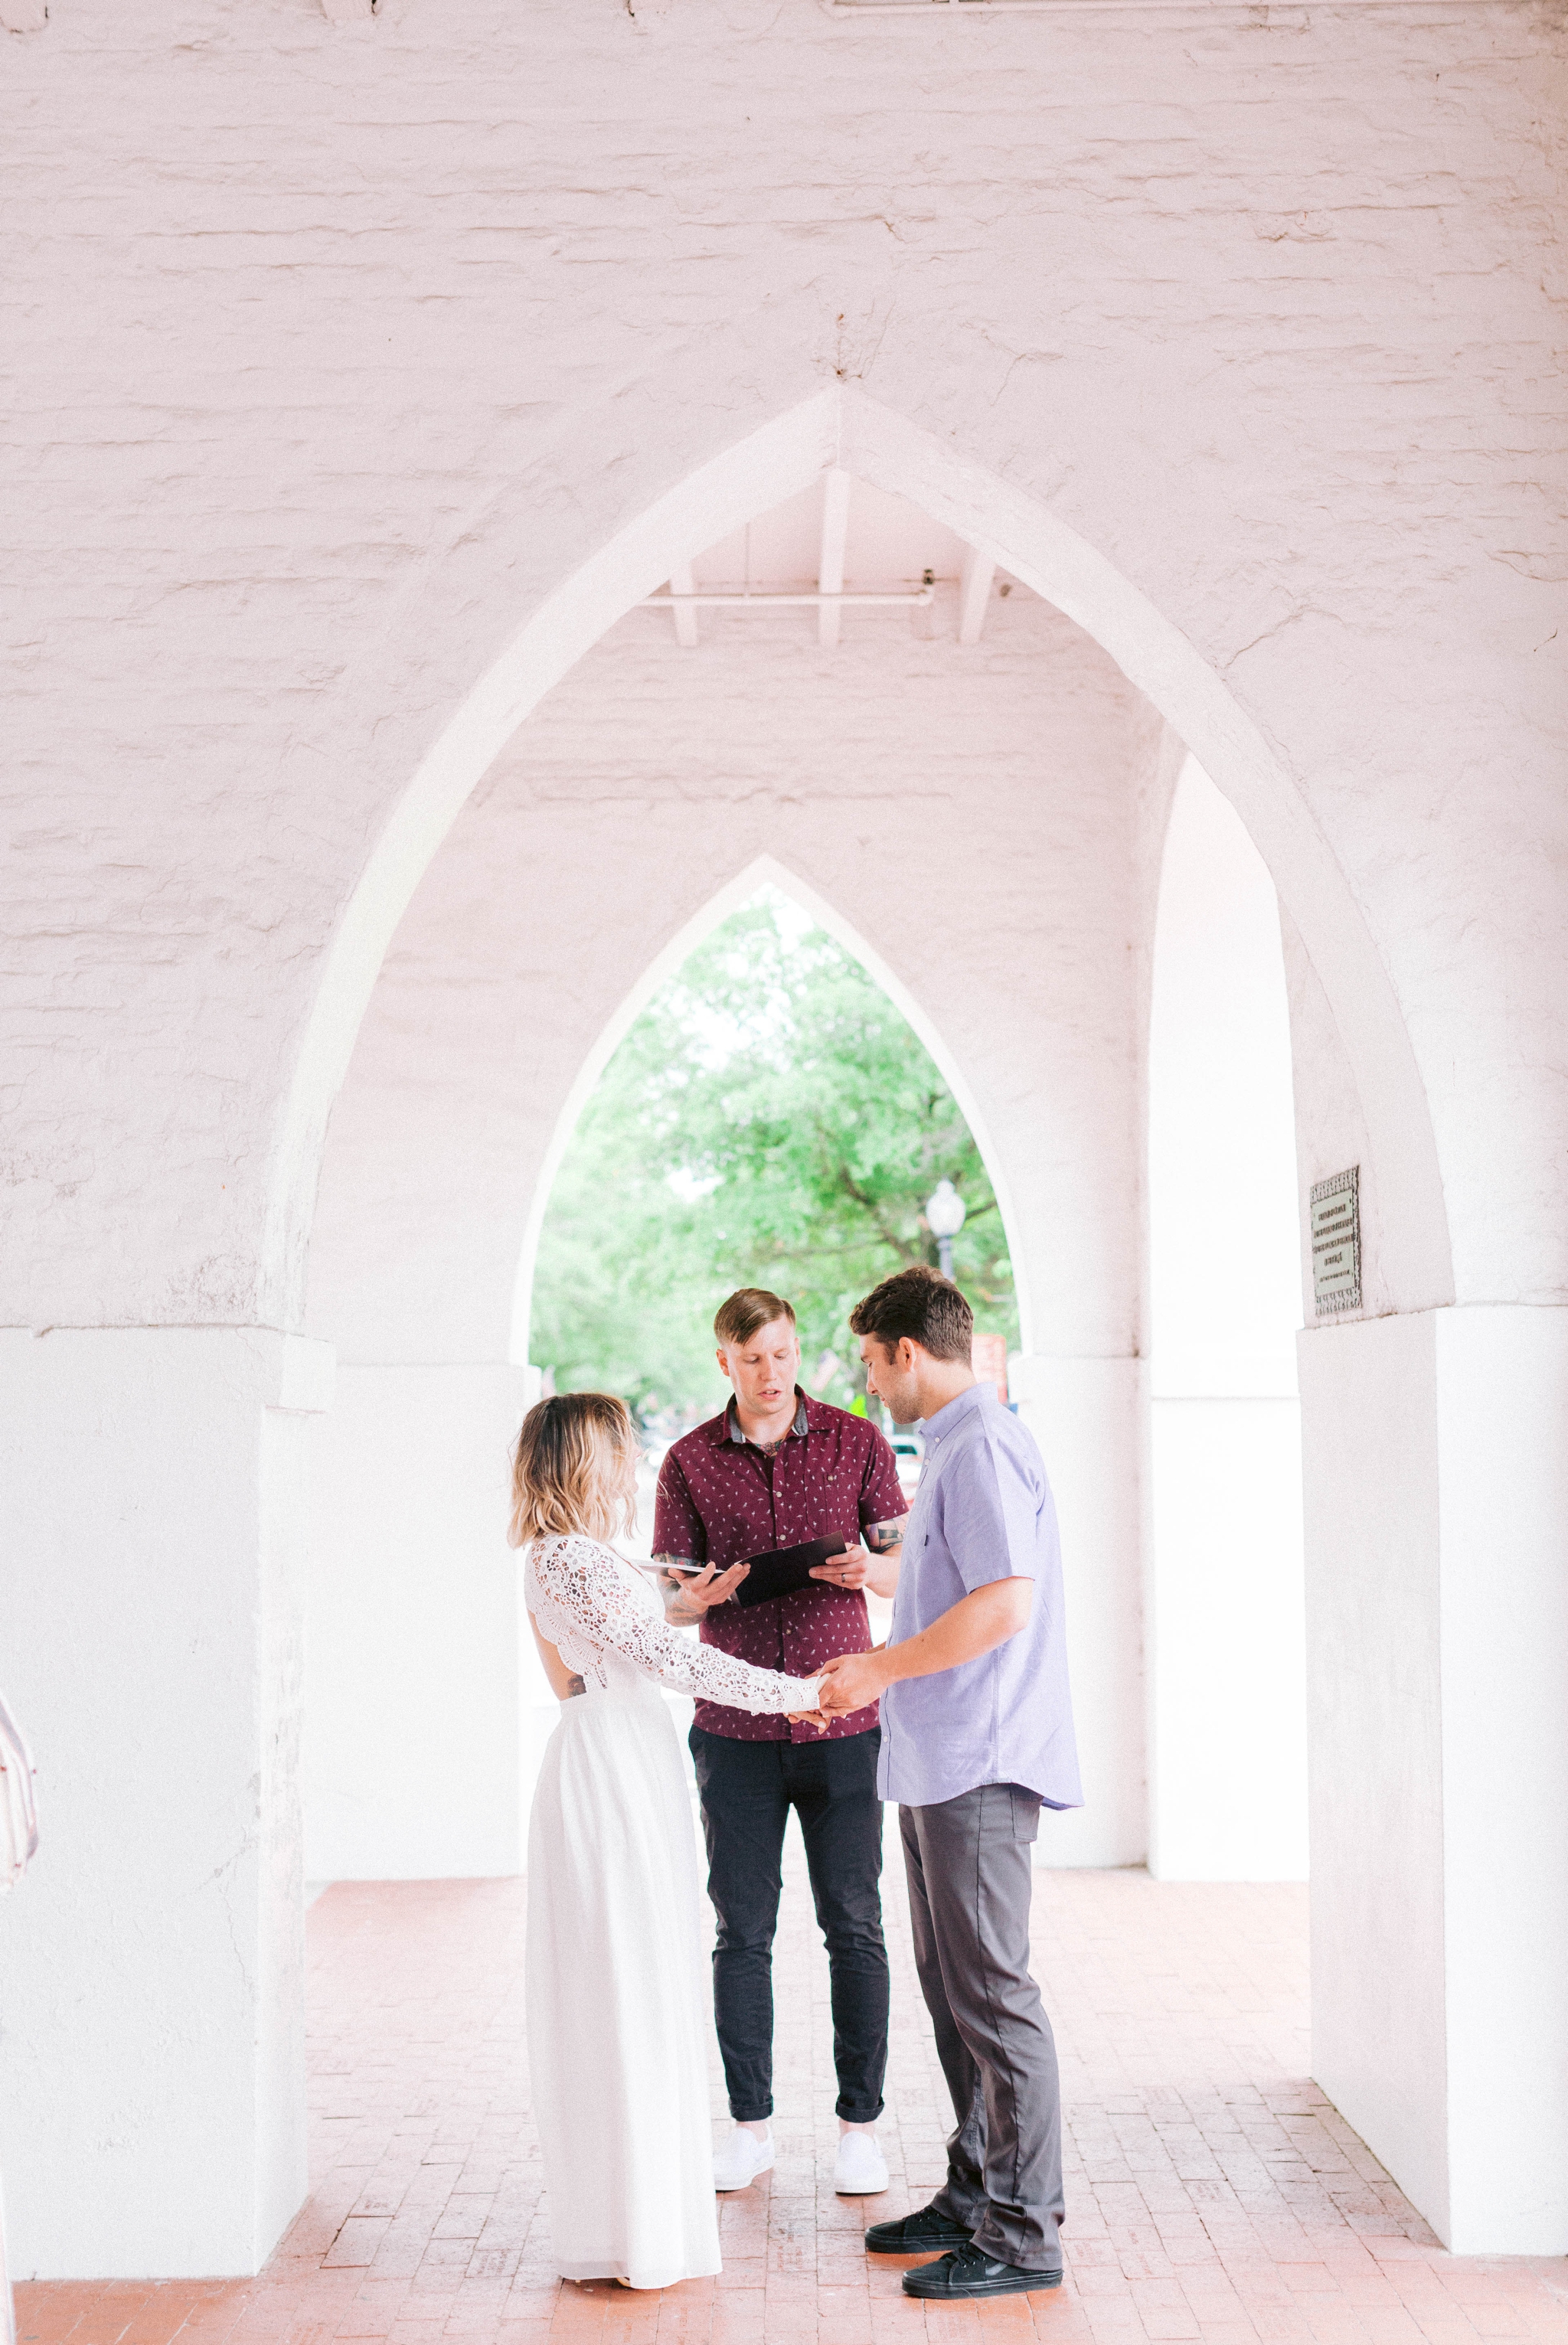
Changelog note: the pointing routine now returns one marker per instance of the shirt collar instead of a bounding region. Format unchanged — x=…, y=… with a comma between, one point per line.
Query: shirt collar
x=730, y=1423
x=963, y=1404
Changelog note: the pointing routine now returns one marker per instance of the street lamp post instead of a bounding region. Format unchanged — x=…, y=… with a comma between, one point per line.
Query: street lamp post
x=945, y=1214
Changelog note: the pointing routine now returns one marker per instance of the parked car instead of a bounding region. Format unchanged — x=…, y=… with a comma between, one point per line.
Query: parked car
x=909, y=1449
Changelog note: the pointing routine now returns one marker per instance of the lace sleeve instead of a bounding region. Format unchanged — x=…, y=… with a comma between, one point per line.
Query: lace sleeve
x=588, y=1600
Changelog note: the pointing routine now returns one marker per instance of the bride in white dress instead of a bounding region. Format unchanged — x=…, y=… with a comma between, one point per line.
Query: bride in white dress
x=616, y=1977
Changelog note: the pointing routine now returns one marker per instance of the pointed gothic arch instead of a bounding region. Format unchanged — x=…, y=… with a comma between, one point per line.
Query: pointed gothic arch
x=840, y=426
x=761, y=871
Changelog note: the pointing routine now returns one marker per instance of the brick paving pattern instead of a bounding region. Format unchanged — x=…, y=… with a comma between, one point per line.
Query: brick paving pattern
x=1213, y=2194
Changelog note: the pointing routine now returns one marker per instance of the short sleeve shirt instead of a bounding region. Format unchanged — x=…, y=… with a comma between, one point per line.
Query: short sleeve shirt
x=984, y=1512
x=721, y=1498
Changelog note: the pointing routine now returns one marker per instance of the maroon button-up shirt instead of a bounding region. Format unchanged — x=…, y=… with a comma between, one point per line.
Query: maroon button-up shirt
x=720, y=1499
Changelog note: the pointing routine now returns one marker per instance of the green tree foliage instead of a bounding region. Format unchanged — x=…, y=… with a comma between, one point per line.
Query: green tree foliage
x=771, y=1119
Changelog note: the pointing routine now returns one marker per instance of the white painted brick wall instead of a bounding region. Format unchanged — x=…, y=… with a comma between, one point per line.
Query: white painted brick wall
x=338, y=346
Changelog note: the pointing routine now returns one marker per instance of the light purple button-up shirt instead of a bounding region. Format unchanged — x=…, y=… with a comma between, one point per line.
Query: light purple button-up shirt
x=982, y=1512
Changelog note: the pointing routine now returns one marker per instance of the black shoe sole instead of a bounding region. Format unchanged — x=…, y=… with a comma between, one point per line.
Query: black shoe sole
x=1025, y=2284
x=936, y=2243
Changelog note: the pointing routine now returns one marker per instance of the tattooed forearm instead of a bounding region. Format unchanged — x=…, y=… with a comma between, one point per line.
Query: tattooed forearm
x=574, y=1685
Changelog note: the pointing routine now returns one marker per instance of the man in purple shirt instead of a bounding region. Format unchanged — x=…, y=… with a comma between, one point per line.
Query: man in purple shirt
x=776, y=1469
x=977, y=1736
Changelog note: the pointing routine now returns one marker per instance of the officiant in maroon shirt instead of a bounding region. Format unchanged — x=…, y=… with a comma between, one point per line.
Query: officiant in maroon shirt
x=775, y=1469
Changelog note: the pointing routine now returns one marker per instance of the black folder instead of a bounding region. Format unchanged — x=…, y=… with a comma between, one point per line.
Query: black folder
x=780, y=1570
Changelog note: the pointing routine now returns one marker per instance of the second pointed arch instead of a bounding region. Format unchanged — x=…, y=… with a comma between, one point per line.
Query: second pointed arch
x=763, y=870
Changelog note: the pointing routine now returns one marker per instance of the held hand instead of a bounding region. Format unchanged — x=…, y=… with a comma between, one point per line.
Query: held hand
x=853, y=1681
x=807, y=1718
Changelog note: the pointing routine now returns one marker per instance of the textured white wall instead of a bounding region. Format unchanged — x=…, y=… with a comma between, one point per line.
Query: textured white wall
x=364, y=375
x=316, y=463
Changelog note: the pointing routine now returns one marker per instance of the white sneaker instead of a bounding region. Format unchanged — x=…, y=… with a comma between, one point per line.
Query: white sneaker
x=860, y=2170
x=737, y=2162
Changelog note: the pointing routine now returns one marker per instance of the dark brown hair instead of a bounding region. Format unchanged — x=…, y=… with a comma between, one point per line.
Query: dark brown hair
x=565, y=1474
x=921, y=1304
x=741, y=1315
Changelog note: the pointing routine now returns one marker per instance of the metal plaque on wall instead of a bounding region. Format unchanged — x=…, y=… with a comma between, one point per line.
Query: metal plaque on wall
x=1336, y=1241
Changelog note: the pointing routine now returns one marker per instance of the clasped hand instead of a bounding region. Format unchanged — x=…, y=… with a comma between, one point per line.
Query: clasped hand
x=854, y=1680
x=850, y=1682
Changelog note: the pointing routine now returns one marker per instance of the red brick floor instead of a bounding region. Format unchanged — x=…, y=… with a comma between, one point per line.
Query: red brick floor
x=1213, y=2193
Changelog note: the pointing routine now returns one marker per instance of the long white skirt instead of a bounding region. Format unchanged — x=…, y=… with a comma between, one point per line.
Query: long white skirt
x=618, y=1997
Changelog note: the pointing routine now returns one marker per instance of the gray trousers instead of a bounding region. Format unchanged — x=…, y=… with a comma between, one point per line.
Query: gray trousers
x=970, y=1877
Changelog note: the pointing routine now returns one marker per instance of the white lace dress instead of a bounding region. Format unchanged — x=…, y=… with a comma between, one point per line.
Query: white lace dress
x=618, y=1995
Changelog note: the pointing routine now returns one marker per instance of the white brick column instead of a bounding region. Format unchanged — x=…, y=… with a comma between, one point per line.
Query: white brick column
x=1437, y=1590
x=418, y=1645
x=1088, y=1416
x=152, y=1483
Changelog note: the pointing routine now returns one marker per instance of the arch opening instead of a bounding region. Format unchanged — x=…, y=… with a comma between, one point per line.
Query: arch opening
x=771, y=1119
x=765, y=883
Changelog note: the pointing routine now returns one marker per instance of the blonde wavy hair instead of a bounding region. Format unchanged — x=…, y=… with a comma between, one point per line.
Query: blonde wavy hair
x=569, y=1472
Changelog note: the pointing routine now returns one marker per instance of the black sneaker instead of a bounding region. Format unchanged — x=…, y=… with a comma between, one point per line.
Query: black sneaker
x=970, y=2271
x=922, y=2233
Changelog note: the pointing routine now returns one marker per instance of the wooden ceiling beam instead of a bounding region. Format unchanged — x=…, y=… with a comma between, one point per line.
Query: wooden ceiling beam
x=974, y=584
x=831, y=562
x=680, y=582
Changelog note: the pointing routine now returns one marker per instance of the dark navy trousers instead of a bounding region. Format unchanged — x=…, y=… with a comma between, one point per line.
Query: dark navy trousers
x=748, y=1790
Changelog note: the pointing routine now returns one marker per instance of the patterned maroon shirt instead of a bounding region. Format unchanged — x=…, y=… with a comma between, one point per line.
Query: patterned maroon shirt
x=721, y=1498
